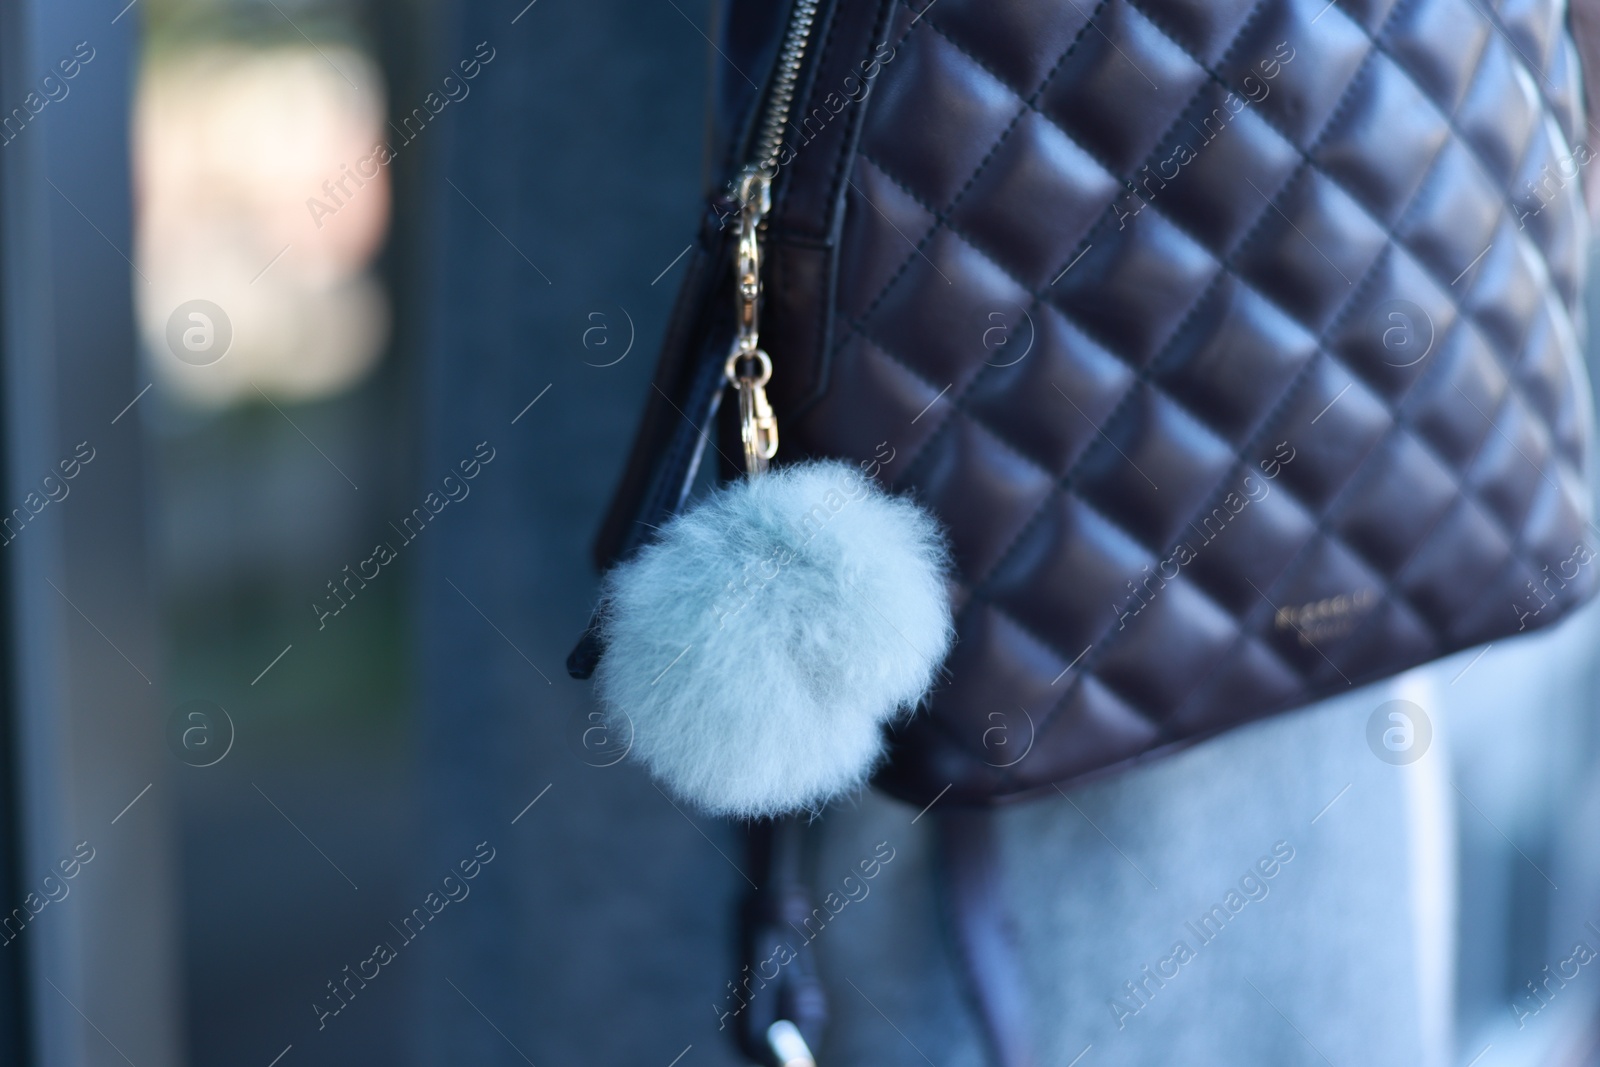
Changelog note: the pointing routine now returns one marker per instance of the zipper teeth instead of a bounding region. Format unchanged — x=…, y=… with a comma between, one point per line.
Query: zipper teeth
x=776, y=117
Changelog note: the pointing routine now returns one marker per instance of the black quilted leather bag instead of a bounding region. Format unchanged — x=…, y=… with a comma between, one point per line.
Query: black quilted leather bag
x=1236, y=343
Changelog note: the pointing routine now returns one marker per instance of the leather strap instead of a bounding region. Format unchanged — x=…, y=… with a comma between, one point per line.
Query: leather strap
x=688, y=375
x=781, y=972
x=665, y=494
x=985, y=941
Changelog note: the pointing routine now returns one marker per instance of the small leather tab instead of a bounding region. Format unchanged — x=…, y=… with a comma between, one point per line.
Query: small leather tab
x=585, y=655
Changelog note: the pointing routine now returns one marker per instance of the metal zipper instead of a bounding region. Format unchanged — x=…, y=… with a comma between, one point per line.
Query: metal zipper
x=786, y=77
x=749, y=368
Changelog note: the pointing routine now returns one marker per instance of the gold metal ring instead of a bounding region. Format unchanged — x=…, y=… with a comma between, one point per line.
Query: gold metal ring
x=756, y=354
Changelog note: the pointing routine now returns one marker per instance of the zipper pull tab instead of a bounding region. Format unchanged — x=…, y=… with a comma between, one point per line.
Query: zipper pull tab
x=748, y=367
x=755, y=200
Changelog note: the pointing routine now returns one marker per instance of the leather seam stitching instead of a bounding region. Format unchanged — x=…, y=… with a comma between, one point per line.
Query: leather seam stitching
x=989, y=155
x=1417, y=198
x=1066, y=481
x=1512, y=371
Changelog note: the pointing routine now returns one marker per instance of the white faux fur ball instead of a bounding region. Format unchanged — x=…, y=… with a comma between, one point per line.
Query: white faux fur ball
x=760, y=644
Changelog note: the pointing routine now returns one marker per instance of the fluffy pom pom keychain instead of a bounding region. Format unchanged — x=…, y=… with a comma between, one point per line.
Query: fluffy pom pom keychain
x=760, y=643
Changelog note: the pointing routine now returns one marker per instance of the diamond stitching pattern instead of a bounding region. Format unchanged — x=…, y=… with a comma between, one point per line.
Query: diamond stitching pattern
x=1468, y=475
x=946, y=224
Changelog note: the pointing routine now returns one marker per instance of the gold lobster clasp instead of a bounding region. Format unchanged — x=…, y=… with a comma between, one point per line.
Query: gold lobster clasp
x=758, y=427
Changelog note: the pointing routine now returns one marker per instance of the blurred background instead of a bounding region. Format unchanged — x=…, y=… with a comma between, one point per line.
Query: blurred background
x=286, y=158
x=275, y=468
x=229, y=268
x=270, y=473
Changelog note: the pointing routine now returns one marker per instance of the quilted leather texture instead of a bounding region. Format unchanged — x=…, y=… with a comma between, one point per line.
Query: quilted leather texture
x=1234, y=341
